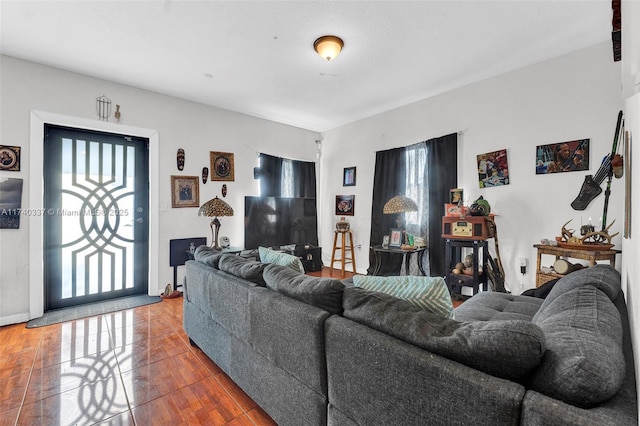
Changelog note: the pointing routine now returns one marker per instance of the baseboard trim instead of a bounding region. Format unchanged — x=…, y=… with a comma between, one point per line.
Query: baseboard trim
x=14, y=319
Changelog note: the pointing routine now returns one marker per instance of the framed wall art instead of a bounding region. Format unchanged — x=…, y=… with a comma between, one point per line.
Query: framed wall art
x=185, y=191
x=221, y=166
x=11, y=202
x=493, y=169
x=349, y=176
x=10, y=158
x=345, y=205
x=570, y=156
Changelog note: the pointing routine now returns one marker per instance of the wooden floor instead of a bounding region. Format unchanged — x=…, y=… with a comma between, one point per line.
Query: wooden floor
x=132, y=367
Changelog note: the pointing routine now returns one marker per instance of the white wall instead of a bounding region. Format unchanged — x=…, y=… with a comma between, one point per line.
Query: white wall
x=575, y=96
x=631, y=90
x=198, y=129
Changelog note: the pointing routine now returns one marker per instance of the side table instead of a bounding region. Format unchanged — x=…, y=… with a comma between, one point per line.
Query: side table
x=455, y=282
x=418, y=251
x=574, y=253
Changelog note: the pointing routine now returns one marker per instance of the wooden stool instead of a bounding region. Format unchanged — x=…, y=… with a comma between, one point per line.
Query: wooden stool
x=346, y=250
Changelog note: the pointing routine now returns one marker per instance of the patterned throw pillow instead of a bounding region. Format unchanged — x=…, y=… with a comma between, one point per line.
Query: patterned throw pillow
x=271, y=256
x=428, y=293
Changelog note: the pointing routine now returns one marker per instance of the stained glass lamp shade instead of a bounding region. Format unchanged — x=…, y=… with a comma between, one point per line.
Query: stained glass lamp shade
x=215, y=208
x=398, y=205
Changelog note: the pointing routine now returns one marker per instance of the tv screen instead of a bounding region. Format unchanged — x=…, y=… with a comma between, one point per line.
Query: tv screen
x=279, y=221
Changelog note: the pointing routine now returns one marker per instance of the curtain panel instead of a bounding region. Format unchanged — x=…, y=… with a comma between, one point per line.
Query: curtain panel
x=389, y=180
x=302, y=182
x=435, y=163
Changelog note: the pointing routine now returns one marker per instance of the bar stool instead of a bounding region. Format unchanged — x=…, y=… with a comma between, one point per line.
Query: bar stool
x=346, y=248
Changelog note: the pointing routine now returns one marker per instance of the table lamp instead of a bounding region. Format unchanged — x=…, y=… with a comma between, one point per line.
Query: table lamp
x=399, y=205
x=214, y=208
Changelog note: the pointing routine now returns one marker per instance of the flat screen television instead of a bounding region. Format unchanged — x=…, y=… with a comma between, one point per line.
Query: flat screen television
x=279, y=221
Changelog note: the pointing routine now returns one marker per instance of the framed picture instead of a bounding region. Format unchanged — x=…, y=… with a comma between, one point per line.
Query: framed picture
x=385, y=241
x=11, y=202
x=395, y=237
x=345, y=205
x=493, y=169
x=221, y=166
x=627, y=185
x=349, y=176
x=185, y=191
x=10, y=158
x=560, y=157
x=455, y=195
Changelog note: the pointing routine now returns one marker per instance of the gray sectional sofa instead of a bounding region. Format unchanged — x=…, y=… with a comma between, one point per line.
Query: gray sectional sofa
x=312, y=351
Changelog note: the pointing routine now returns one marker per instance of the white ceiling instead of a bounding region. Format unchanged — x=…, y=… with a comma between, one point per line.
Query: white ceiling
x=256, y=57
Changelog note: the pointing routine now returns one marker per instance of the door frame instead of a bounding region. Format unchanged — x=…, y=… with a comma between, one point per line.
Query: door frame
x=36, y=235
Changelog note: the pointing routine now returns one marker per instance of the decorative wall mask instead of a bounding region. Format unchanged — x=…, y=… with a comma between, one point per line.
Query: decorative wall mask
x=205, y=174
x=224, y=190
x=180, y=159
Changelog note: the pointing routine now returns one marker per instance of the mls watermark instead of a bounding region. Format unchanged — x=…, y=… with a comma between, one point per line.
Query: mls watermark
x=64, y=212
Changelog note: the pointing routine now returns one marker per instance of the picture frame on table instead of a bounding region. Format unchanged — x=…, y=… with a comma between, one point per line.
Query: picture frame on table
x=385, y=241
x=349, y=176
x=395, y=237
x=185, y=191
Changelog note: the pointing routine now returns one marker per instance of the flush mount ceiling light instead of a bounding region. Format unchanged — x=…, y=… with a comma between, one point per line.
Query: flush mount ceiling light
x=328, y=46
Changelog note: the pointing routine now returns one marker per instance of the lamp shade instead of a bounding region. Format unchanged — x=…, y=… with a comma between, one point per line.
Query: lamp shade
x=215, y=208
x=328, y=46
x=399, y=204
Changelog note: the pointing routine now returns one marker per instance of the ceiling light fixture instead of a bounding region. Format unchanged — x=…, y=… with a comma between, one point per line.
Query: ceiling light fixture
x=328, y=47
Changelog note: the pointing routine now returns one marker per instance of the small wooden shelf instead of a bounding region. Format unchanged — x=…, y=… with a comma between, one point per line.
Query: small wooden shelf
x=560, y=252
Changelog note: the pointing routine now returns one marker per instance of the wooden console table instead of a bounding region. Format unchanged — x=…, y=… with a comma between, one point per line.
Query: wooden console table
x=591, y=255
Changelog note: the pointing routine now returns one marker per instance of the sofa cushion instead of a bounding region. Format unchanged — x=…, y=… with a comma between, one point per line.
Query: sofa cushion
x=324, y=293
x=491, y=306
x=505, y=349
x=584, y=363
x=208, y=256
x=279, y=258
x=250, y=270
x=429, y=293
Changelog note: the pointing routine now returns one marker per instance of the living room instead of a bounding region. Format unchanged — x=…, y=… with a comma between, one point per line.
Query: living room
x=573, y=96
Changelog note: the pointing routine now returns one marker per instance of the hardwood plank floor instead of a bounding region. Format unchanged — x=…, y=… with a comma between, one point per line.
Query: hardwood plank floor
x=132, y=367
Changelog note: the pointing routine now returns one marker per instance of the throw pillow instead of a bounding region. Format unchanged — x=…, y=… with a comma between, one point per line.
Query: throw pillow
x=271, y=256
x=250, y=270
x=324, y=293
x=507, y=349
x=429, y=293
x=208, y=256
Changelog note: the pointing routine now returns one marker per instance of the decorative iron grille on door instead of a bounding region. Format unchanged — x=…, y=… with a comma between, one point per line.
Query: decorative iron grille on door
x=95, y=221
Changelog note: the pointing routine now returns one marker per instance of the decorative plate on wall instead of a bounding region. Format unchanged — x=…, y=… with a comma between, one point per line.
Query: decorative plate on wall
x=10, y=158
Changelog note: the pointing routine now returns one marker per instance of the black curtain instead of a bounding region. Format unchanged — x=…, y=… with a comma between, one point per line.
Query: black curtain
x=270, y=173
x=304, y=182
x=442, y=172
x=389, y=180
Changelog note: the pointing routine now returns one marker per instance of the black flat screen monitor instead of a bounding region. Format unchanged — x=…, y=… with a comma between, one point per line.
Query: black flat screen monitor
x=279, y=221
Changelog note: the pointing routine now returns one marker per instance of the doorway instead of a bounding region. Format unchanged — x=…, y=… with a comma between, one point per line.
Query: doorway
x=96, y=232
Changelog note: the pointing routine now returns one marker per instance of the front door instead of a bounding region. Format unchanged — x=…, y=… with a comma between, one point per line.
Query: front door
x=96, y=231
